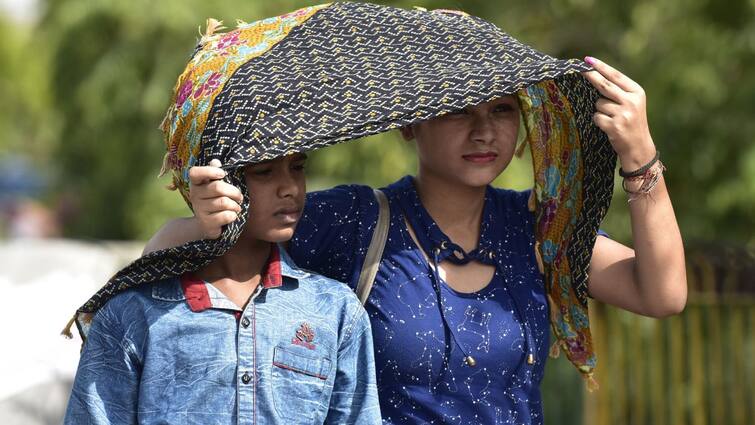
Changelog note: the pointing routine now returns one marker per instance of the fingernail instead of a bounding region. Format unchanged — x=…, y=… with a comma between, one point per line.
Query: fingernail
x=591, y=60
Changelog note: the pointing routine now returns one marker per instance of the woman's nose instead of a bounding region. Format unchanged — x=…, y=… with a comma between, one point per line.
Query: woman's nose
x=482, y=129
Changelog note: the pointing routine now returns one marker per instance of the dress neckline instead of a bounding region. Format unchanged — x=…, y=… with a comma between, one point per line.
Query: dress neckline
x=430, y=236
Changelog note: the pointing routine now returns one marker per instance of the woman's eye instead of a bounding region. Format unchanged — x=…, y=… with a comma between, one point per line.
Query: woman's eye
x=299, y=167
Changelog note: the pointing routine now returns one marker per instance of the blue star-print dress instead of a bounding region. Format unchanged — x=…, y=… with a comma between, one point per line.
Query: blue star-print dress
x=422, y=328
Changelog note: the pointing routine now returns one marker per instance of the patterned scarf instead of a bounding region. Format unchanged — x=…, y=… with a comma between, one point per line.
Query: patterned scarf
x=336, y=72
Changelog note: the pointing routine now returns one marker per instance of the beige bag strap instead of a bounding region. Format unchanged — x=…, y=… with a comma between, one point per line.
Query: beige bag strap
x=375, y=250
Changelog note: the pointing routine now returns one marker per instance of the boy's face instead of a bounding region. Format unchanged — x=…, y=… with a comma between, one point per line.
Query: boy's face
x=276, y=190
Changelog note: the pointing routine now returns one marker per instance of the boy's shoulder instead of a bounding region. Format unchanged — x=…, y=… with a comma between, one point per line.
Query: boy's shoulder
x=316, y=287
x=333, y=301
x=129, y=311
x=145, y=296
x=326, y=287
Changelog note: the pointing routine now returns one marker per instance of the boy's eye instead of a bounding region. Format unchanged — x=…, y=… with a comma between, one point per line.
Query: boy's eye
x=299, y=167
x=504, y=107
x=262, y=171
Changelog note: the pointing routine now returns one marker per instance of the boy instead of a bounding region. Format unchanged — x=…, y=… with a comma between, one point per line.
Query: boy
x=248, y=338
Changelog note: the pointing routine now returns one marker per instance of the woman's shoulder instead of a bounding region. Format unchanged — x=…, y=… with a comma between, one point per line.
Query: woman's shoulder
x=340, y=204
x=342, y=194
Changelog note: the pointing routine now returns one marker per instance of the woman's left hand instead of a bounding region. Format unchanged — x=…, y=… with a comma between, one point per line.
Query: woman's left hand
x=651, y=279
x=621, y=114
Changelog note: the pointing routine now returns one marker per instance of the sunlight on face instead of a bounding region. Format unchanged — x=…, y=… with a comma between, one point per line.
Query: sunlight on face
x=469, y=146
x=276, y=189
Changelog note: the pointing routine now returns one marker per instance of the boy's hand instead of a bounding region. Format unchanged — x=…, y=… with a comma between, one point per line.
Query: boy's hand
x=215, y=202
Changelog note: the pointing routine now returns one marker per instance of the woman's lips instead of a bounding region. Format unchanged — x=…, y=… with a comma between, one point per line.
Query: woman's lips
x=481, y=157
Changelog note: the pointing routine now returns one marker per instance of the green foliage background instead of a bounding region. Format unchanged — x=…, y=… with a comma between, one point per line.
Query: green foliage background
x=84, y=88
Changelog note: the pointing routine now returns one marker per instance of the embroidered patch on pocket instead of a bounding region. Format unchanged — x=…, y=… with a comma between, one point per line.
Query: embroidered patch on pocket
x=304, y=336
x=311, y=366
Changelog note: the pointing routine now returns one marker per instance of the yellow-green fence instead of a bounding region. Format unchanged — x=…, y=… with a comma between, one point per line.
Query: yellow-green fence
x=694, y=368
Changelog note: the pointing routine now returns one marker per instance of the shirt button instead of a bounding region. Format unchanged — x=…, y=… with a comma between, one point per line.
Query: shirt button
x=245, y=322
x=245, y=378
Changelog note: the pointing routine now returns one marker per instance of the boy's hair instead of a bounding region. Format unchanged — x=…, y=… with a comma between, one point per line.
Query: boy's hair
x=215, y=59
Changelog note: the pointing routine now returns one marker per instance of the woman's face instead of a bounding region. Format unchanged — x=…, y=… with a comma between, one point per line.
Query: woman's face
x=471, y=146
x=276, y=190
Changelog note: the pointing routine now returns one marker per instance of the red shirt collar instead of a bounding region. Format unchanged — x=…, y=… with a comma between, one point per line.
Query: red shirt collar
x=195, y=289
x=271, y=277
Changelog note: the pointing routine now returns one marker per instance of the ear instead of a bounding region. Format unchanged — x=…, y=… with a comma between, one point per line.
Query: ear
x=407, y=132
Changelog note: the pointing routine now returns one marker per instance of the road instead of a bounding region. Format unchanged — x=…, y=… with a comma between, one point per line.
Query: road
x=42, y=282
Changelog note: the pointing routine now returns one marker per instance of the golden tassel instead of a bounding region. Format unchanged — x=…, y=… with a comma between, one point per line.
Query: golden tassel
x=520, y=149
x=555, y=350
x=592, y=384
x=539, y=258
x=213, y=25
x=532, y=201
x=164, y=168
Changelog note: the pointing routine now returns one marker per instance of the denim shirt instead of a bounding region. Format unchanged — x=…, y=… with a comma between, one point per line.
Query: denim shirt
x=299, y=353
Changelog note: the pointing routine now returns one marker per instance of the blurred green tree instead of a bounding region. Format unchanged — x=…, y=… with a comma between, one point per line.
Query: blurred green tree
x=84, y=90
x=112, y=66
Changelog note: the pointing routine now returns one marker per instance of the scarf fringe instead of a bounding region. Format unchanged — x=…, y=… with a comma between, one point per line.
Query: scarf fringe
x=213, y=25
x=66, y=332
x=592, y=384
x=532, y=201
x=165, y=167
x=520, y=149
x=539, y=258
x=555, y=350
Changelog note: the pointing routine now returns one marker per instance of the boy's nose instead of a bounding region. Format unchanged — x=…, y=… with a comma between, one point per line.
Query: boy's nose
x=288, y=184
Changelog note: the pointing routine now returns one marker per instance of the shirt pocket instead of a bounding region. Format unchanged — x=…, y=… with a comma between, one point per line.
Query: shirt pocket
x=298, y=382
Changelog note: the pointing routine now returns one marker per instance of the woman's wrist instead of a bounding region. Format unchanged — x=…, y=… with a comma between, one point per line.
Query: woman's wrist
x=639, y=155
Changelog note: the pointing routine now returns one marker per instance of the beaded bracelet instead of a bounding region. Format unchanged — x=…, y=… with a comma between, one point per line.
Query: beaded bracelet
x=642, y=170
x=650, y=179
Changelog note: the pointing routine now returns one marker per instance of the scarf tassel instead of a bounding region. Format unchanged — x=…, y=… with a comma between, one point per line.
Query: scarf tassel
x=592, y=384
x=66, y=332
x=555, y=350
x=213, y=26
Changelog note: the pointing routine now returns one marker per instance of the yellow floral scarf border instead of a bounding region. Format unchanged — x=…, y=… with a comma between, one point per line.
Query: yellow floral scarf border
x=557, y=160
x=219, y=55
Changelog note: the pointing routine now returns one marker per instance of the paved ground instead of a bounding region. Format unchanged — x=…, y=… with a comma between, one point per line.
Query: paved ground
x=42, y=283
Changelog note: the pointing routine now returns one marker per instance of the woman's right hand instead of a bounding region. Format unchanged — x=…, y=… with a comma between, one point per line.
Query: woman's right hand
x=215, y=202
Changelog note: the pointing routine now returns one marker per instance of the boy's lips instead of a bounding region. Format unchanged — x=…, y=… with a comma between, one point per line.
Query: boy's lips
x=480, y=157
x=288, y=215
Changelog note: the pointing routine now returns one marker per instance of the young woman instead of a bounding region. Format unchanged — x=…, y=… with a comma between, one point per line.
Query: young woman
x=458, y=309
